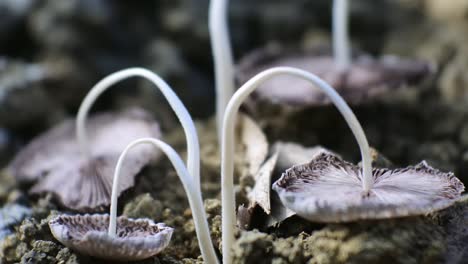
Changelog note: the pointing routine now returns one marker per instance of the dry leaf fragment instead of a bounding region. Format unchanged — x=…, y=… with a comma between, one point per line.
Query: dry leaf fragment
x=260, y=193
x=254, y=145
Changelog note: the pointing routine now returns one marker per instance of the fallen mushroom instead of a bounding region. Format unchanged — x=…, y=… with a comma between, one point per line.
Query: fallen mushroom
x=365, y=79
x=286, y=155
x=54, y=159
x=134, y=239
x=357, y=79
x=128, y=239
x=85, y=165
x=329, y=189
x=227, y=147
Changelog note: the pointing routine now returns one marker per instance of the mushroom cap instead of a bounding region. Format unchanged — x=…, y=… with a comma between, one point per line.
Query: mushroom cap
x=87, y=234
x=55, y=161
x=329, y=189
x=365, y=79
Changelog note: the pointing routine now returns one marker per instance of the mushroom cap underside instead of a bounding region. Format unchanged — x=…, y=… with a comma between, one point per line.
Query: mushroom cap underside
x=55, y=161
x=87, y=234
x=329, y=189
x=365, y=79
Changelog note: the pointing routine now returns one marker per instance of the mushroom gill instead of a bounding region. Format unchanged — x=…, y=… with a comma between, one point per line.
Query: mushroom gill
x=329, y=189
x=135, y=239
x=82, y=182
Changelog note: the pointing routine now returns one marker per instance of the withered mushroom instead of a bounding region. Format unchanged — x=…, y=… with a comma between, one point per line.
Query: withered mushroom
x=128, y=239
x=134, y=240
x=365, y=78
x=357, y=79
x=82, y=182
x=78, y=169
x=139, y=238
x=227, y=143
x=329, y=189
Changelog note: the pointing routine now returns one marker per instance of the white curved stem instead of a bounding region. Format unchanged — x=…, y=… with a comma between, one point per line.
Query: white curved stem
x=222, y=55
x=193, y=146
x=227, y=147
x=193, y=195
x=341, y=49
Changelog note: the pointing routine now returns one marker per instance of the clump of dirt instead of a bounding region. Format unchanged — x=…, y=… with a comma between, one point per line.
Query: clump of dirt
x=439, y=238
x=144, y=206
x=395, y=241
x=184, y=241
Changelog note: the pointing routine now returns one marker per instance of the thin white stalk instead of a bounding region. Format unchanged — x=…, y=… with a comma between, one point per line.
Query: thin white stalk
x=341, y=47
x=193, y=195
x=227, y=147
x=222, y=55
x=193, y=146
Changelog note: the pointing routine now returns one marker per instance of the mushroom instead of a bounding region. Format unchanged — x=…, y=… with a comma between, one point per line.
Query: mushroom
x=134, y=240
x=139, y=239
x=329, y=189
x=85, y=165
x=83, y=182
x=356, y=79
x=365, y=79
x=227, y=146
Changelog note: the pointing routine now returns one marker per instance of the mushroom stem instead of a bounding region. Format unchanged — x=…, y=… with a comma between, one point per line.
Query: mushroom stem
x=222, y=55
x=341, y=50
x=227, y=147
x=193, y=194
x=193, y=146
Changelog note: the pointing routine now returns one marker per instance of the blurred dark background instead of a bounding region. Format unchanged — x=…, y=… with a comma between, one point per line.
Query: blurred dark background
x=53, y=51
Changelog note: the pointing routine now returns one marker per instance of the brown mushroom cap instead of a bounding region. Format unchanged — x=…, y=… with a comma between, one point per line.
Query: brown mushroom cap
x=134, y=240
x=365, y=79
x=54, y=159
x=329, y=189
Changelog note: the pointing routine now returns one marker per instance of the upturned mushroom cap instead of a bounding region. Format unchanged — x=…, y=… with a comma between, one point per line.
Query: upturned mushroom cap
x=55, y=161
x=365, y=79
x=87, y=234
x=329, y=189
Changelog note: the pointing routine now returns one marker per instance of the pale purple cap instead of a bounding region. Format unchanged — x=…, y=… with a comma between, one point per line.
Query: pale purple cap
x=134, y=240
x=365, y=79
x=329, y=189
x=55, y=161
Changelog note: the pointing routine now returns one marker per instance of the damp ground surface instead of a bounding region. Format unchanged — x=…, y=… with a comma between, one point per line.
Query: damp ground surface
x=53, y=52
